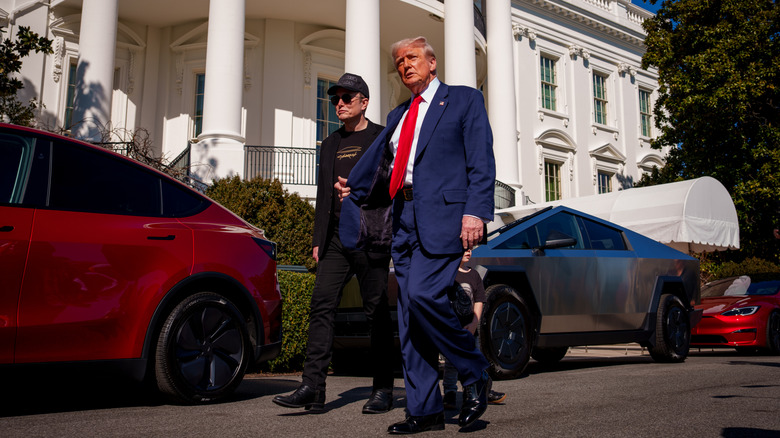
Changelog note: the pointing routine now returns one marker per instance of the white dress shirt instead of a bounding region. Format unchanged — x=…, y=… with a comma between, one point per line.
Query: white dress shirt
x=427, y=97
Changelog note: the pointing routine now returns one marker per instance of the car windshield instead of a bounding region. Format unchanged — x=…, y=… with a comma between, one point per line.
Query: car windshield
x=740, y=286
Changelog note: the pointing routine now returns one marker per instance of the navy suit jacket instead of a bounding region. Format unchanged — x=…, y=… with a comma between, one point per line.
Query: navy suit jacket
x=454, y=174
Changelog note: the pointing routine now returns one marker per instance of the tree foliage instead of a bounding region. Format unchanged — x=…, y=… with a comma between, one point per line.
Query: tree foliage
x=11, y=54
x=285, y=218
x=719, y=77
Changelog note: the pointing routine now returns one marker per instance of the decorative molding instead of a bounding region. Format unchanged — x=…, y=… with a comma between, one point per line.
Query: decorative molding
x=131, y=72
x=626, y=68
x=179, y=71
x=575, y=51
x=307, y=69
x=601, y=22
x=519, y=31
x=540, y=149
x=571, y=166
x=59, y=43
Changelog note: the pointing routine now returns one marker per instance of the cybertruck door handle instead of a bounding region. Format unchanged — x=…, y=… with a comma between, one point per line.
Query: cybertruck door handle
x=168, y=237
x=6, y=228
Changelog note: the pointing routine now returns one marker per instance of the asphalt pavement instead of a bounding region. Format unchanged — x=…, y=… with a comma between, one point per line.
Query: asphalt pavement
x=614, y=391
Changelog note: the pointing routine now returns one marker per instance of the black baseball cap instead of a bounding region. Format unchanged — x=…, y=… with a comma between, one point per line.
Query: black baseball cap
x=351, y=82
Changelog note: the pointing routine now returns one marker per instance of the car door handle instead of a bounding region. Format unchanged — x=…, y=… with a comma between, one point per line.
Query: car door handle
x=6, y=228
x=168, y=237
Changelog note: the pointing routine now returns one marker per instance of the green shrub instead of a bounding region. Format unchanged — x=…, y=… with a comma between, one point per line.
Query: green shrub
x=715, y=270
x=296, y=295
x=285, y=218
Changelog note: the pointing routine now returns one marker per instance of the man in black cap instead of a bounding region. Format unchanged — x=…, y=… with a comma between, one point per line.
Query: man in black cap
x=336, y=265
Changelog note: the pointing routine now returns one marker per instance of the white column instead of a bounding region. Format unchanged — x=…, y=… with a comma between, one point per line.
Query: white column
x=501, y=91
x=221, y=145
x=460, y=65
x=95, y=70
x=362, y=50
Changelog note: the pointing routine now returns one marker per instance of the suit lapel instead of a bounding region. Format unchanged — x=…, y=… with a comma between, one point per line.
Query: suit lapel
x=435, y=110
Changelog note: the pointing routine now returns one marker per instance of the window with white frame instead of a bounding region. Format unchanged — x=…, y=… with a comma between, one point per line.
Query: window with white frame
x=327, y=119
x=644, y=112
x=549, y=82
x=71, y=96
x=604, y=182
x=600, y=98
x=197, y=118
x=552, y=181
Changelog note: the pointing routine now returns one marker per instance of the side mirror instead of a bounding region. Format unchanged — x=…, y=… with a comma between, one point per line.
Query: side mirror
x=555, y=239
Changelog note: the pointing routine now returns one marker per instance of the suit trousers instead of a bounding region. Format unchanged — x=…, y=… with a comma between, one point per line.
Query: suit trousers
x=427, y=325
x=335, y=268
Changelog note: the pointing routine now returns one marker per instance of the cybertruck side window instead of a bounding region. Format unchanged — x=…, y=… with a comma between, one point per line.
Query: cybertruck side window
x=525, y=239
x=563, y=223
x=602, y=237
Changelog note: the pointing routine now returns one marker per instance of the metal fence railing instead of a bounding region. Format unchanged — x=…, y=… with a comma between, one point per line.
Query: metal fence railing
x=295, y=166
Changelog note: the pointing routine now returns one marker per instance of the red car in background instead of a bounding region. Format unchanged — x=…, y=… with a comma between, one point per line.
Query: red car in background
x=103, y=259
x=740, y=312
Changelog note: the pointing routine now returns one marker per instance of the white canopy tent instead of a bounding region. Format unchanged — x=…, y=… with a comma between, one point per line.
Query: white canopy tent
x=691, y=216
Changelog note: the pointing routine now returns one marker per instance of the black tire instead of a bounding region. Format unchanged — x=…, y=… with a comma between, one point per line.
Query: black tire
x=506, y=332
x=549, y=356
x=773, y=333
x=203, y=349
x=672, y=331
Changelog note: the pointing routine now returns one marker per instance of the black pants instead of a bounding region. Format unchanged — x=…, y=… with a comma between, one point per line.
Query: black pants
x=336, y=267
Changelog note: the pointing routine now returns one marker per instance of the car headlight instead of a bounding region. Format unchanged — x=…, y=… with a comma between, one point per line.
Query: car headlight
x=741, y=311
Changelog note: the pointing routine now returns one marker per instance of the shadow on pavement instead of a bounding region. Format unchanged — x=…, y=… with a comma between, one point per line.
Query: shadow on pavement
x=42, y=389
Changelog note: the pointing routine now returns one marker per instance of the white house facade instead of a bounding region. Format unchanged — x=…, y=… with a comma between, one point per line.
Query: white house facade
x=238, y=86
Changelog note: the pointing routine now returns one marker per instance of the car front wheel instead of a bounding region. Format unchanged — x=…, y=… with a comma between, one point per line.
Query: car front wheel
x=672, y=331
x=505, y=335
x=202, y=351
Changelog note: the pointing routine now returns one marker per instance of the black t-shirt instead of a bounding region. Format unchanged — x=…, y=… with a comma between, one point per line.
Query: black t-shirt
x=350, y=149
x=471, y=282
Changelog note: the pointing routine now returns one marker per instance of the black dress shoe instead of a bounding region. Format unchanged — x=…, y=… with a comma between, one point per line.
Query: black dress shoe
x=303, y=397
x=414, y=424
x=379, y=402
x=475, y=401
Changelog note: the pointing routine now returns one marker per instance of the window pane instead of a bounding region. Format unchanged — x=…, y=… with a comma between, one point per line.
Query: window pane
x=600, y=99
x=327, y=119
x=15, y=161
x=548, y=83
x=71, y=96
x=563, y=223
x=552, y=181
x=604, y=182
x=603, y=237
x=180, y=202
x=200, y=87
x=88, y=180
x=644, y=112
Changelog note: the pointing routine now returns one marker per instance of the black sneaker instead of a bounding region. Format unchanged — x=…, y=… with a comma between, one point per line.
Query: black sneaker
x=450, y=401
x=495, y=397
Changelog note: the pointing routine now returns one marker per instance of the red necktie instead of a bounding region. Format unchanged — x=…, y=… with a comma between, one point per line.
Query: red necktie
x=404, y=146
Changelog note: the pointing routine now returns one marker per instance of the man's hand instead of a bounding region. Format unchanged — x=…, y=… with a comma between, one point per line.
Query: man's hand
x=315, y=253
x=472, y=326
x=341, y=187
x=471, y=231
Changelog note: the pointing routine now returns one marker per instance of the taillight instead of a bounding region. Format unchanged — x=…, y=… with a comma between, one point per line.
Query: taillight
x=267, y=246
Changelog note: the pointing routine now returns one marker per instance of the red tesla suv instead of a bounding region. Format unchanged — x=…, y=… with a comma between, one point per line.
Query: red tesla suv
x=103, y=259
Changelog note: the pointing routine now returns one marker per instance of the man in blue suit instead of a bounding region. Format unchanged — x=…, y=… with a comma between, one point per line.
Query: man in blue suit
x=428, y=211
